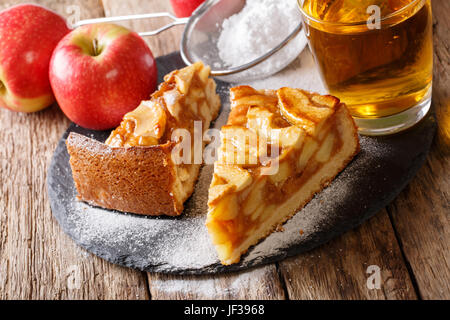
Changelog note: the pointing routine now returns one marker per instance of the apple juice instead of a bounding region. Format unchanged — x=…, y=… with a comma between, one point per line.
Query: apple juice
x=376, y=72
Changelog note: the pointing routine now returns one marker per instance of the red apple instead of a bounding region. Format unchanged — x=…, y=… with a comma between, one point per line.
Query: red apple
x=101, y=72
x=184, y=8
x=28, y=36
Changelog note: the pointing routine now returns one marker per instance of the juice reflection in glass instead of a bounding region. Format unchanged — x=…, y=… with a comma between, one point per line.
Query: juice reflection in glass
x=376, y=56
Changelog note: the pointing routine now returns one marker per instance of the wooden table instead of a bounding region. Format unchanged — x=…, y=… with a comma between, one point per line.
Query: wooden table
x=409, y=240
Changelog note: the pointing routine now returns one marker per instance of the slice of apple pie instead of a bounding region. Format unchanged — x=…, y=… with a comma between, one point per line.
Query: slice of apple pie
x=134, y=171
x=278, y=150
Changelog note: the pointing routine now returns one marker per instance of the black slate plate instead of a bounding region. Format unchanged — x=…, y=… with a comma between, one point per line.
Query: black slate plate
x=181, y=245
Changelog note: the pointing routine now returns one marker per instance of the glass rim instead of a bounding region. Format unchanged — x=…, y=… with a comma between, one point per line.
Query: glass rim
x=358, y=23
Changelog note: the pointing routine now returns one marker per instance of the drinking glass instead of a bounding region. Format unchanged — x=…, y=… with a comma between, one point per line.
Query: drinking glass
x=376, y=56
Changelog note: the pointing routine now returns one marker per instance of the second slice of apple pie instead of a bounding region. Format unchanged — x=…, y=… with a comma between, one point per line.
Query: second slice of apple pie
x=278, y=150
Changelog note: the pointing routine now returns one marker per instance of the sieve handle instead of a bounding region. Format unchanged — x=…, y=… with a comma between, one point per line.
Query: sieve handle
x=175, y=21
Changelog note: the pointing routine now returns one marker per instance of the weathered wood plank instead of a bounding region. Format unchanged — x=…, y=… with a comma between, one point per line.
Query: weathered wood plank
x=37, y=261
x=339, y=269
x=262, y=283
x=258, y=284
x=421, y=213
x=67, y=8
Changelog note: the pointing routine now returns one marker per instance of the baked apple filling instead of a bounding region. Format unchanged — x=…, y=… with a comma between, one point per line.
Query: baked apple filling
x=186, y=96
x=254, y=190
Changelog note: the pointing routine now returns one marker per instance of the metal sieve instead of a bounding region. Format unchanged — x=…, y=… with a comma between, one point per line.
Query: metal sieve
x=200, y=36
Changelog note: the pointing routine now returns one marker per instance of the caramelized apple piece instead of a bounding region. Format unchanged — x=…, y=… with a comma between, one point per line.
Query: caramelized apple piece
x=233, y=175
x=297, y=108
x=142, y=127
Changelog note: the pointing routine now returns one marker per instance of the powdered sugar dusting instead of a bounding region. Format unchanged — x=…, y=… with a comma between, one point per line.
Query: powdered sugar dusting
x=258, y=28
x=177, y=242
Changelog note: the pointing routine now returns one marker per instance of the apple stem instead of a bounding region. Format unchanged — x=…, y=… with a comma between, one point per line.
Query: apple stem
x=95, y=43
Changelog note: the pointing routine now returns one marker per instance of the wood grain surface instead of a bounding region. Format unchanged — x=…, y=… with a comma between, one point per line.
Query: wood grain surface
x=340, y=269
x=408, y=242
x=421, y=213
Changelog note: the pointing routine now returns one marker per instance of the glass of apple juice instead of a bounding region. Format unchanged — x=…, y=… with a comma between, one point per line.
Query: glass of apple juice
x=376, y=56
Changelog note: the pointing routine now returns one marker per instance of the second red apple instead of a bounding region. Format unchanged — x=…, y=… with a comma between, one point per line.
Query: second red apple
x=28, y=36
x=184, y=8
x=101, y=72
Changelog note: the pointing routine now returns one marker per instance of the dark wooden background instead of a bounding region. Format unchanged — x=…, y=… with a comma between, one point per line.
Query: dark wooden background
x=409, y=240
